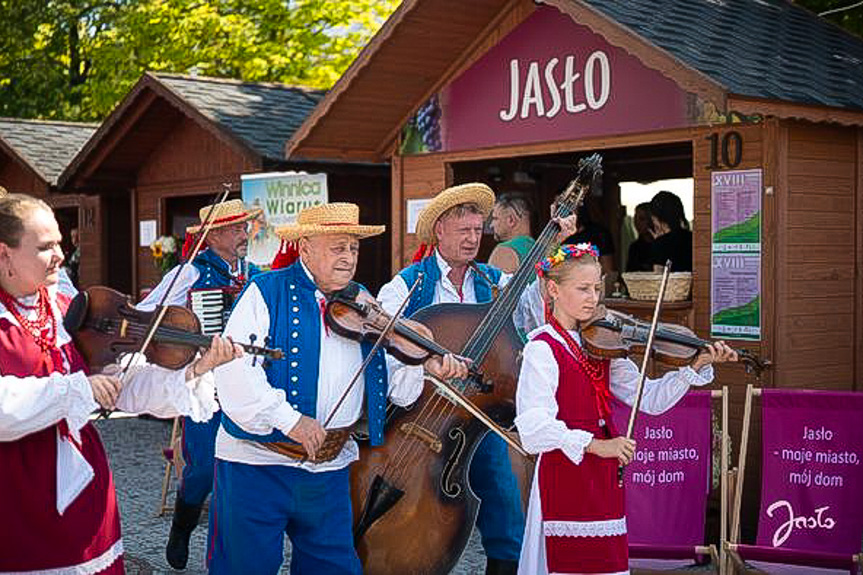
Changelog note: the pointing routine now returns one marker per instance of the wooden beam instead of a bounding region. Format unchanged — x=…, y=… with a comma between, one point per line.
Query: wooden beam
x=790, y=110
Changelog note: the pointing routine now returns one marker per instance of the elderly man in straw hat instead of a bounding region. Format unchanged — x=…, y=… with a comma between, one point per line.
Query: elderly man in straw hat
x=262, y=490
x=221, y=265
x=450, y=229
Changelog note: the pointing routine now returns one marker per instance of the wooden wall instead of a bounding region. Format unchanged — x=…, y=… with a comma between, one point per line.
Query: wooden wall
x=817, y=291
x=18, y=179
x=191, y=161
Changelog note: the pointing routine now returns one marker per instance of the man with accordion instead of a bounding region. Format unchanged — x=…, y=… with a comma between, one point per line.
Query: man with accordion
x=208, y=286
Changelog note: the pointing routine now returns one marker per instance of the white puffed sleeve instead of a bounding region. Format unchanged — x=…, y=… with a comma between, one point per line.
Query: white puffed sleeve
x=31, y=404
x=244, y=392
x=659, y=395
x=536, y=407
x=179, y=292
x=163, y=392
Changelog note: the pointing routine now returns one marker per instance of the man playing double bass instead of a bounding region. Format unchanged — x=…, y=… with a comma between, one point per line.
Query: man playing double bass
x=450, y=228
x=264, y=487
x=221, y=265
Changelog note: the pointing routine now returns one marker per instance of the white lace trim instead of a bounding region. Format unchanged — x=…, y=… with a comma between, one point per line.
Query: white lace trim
x=609, y=528
x=90, y=567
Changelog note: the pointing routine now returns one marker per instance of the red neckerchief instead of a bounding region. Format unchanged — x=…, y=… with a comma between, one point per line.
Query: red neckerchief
x=594, y=369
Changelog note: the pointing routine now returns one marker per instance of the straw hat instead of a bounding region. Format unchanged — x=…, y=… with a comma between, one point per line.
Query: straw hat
x=474, y=193
x=335, y=218
x=227, y=213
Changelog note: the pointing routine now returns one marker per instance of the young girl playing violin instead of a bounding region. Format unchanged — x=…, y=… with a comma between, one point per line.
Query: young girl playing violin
x=576, y=521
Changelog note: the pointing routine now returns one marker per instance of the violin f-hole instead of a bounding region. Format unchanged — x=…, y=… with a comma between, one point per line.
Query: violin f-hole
x=448, y=486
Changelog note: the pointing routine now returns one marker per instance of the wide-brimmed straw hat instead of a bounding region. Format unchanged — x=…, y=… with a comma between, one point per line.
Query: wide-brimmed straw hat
x=226, y=214
x=474, y=193
x=335, y=218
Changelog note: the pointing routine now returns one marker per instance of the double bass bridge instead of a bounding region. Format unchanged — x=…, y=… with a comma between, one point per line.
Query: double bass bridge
x=424, y=435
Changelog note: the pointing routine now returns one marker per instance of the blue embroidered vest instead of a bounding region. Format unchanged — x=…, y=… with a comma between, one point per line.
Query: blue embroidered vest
x=215, y=272
x=295, y=328
x=424, y=295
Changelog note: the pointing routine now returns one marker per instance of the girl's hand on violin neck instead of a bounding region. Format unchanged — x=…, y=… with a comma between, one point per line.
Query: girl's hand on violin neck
x=106, y=389
x=221, y=351
x=716, y=352
x=446, y=367
x=309, y=433
x=620, y=447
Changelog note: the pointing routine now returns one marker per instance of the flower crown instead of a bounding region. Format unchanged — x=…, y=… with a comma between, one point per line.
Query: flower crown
x=563, y=253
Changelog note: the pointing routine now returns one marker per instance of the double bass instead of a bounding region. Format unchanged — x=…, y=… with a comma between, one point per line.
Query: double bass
x=413, y=506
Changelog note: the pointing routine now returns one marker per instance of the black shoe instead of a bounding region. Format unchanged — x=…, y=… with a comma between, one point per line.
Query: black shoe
x=185, y=520
x=501, y=567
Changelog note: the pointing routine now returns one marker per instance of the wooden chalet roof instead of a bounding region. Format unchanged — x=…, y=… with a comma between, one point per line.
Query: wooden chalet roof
x=751, y=56
x=44, y=147
x=254, y=118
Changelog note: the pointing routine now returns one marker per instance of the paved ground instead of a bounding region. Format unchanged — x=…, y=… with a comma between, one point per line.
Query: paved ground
x=134, y=448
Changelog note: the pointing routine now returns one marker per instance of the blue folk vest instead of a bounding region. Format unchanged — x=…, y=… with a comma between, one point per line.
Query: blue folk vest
x=215, y=272
x=295, y=328
x=424, y=295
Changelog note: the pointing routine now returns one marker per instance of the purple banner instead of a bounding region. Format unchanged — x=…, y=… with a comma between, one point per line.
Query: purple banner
x=812, y=476
x=668, y=482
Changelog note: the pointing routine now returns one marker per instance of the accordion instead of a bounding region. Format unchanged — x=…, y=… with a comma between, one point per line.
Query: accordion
x=212, y=306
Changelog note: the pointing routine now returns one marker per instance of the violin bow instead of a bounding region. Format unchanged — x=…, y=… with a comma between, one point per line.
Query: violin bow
x=459, y=398
x=384, y=333
x=151, y=331
x=648, y=351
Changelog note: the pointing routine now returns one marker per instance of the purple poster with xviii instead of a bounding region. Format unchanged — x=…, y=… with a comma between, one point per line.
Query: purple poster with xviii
x=812, y=476
x=668, y=481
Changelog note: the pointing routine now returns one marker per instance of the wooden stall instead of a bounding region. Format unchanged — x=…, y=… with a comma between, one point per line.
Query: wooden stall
x=513, y=92
x=33, y=153
x=168, y=147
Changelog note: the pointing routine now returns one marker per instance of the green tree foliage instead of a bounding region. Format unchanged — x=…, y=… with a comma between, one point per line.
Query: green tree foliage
x=851, y=20
x=75, y=59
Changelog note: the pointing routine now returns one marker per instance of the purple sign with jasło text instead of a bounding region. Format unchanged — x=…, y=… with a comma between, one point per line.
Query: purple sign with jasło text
x=668, y=481
x=553, y=79
x=812, y=475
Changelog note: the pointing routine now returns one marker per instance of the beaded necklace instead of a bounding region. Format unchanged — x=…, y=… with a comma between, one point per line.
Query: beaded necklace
x=593, y=368
x=43, y=329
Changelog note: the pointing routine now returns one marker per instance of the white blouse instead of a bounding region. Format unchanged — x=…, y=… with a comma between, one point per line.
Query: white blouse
x=536, y=406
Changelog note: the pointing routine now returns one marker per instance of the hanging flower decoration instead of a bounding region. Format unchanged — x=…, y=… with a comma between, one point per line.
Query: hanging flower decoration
x=164, y=252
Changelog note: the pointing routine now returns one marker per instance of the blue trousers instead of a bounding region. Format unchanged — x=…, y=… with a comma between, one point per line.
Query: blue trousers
x=199, y=451
x=501, y=517
x=254, y=506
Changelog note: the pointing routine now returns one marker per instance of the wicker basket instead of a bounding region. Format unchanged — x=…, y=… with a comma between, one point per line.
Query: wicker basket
x=645, y=285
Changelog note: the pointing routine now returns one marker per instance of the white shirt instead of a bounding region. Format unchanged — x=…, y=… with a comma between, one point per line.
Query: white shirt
x=540, y=430
x=257, y=407
x=528, y=313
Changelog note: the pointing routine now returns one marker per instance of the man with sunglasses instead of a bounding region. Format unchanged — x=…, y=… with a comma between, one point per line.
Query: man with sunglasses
x=221, y=264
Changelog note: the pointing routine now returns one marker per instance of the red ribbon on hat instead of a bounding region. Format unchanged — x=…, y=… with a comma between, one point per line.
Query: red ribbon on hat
x=422, y=251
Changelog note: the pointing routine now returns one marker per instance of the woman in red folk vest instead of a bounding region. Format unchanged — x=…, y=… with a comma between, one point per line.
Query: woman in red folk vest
x=57, y=496
x=576, y=521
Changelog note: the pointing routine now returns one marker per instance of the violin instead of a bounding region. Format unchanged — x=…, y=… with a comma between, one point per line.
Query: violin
x=355, y=314
x=105, y=325
x=612, y=334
